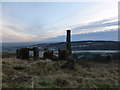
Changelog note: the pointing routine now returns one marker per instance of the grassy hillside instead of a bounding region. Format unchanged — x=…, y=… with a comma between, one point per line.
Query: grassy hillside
x=49, y=74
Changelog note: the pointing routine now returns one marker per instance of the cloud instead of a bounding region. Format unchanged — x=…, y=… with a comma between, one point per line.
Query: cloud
x=106, y=29
x=14, y=32
x=97, y=26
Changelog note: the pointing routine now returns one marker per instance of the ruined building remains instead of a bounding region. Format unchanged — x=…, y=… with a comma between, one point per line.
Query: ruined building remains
x=24, y=53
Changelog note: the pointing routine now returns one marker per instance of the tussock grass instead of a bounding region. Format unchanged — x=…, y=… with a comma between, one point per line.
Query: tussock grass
x=48, y=74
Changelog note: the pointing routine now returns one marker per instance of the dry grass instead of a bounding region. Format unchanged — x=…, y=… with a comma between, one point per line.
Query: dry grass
x=48, y=74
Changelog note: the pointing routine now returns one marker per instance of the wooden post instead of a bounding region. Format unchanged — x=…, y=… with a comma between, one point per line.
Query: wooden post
x=17, y=53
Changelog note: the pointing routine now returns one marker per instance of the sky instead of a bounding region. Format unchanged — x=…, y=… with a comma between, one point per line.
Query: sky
x=38, y=21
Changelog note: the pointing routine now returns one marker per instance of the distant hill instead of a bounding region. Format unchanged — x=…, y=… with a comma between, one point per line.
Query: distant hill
x=82, y=45
x=76, y=45
x=95, y=36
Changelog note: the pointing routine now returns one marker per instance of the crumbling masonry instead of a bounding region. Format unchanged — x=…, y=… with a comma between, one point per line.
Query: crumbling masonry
x=23, y=53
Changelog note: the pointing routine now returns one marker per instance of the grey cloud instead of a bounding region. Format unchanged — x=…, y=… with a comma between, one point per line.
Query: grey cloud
x=96, y=24
x=111, y=34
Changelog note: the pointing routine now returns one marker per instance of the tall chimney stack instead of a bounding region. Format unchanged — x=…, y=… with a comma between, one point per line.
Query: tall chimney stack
x=68, y=41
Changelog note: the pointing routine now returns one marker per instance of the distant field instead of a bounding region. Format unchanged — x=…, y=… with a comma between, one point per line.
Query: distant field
x=49, y=74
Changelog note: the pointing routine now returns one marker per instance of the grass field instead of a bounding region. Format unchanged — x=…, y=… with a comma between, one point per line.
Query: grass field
x=49, y=74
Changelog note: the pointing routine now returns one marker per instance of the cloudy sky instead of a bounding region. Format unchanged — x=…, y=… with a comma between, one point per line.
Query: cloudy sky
x=38, y=21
